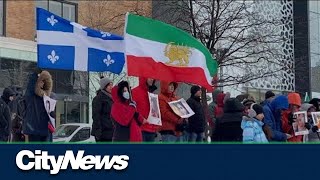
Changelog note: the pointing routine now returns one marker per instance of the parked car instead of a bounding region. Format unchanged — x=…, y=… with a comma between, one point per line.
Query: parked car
x=75, y=132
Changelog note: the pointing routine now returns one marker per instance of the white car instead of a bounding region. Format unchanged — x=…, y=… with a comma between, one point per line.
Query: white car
x=75, y=132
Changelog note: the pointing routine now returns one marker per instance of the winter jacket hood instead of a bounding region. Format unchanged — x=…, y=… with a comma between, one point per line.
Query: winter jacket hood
x=7, y=92
x=124, y=115
x=46, y=78
x=294, y=99
x=306, y=106
x=215, y=95
x=315, y=102
x=164, y=88
x=220, y=98
x=140, y=96
x=233, y=105
x=279, y=103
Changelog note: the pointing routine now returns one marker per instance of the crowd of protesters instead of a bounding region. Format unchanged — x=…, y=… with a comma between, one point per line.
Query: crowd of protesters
x=120, y=115
x=238, y=119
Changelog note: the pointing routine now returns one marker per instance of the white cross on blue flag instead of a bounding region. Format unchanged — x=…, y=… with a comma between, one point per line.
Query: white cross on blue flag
x=70, y=46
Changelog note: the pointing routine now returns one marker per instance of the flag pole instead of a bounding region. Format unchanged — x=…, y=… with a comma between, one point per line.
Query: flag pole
x=125, y=55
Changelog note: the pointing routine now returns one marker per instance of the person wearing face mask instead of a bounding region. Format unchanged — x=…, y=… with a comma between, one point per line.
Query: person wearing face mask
x=197, y=122
x=5, y=114
x=170, y=130
x=140, y=96
x=127, y=119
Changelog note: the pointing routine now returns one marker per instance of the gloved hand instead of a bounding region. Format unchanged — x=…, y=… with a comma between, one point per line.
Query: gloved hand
x=307, y=125
x=289, y=136
x=315, y=129
x=291, y=119
x=52, y=114
x=136, y=115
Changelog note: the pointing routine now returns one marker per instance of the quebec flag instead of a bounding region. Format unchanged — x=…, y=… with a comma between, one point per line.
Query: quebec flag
x=70, y=46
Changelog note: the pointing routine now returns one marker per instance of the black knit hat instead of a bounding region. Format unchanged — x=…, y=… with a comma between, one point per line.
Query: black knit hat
x=194, y=90
x=257, y=108
x=269, y=94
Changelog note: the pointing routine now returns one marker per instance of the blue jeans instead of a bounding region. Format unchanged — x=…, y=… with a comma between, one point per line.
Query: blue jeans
x=169, y=138
x=184, y=137
x=196, y=137
x=148, y=136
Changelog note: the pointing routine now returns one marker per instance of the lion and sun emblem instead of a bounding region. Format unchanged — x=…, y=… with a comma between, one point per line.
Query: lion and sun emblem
x=177, y=55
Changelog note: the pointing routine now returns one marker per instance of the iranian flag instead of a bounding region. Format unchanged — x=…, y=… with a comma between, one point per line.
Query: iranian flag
x=161, y=51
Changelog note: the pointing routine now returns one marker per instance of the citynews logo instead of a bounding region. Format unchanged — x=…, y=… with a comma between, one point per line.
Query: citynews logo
x=40, y=160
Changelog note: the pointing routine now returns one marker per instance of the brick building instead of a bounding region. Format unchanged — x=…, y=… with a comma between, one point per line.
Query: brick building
x=18, y=46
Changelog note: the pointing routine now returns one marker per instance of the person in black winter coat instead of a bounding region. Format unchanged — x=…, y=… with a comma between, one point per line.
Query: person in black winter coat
x=5, y=114
x=102, y=126
x=36, y=119
x=197, y=122
x=228, y=127
x=316, y=103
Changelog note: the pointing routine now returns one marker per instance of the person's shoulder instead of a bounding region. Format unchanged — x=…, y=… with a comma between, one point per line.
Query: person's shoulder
x=249, y=124
x=2, y=102
x=266, y=107
x=162, y=97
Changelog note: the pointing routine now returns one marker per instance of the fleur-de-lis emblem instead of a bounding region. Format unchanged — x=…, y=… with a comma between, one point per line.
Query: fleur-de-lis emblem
x=52, y=20
x=53, y=57
x=108, y=61
x=105, y=34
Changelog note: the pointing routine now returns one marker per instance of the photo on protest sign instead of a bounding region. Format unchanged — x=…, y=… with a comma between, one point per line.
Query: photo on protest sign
x=299, y=124
x=154, y=114
x=316, y=119
x=181, y=108
x=50, y=105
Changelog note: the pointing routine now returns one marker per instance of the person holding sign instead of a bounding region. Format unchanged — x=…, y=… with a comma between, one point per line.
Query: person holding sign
x=140, y=96
x=170, y=121
x=36, y=120
x=127, y=119
x=288, y=119
x=313, y=135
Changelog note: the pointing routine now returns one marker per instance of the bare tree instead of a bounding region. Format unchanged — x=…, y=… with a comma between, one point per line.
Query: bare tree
x=245, y=43
x=109, y=16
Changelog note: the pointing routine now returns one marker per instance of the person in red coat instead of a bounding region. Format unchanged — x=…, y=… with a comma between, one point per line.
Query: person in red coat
x=140, y=96
x=287, y=117
x=127, y=120
x=170, y=120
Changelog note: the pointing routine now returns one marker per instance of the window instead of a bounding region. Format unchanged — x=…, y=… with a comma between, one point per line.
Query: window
x=65, y=9
x=65, y=131
x=82, y=135
x=2, y=17
x=15, y=72
x=55, y=7
x=70, y=82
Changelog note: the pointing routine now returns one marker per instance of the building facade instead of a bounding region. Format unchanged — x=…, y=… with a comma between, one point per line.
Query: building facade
x=18, y=52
